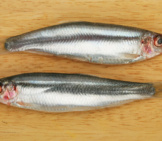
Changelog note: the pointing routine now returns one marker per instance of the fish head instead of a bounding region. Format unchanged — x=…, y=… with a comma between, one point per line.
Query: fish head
x=151, y=45
x=8, y=92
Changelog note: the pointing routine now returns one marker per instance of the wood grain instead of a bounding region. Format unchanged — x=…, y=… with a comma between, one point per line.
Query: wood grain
x=136, y=121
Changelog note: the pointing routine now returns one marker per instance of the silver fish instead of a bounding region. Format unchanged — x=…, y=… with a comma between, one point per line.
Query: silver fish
x=91, y=42
x=52, y=92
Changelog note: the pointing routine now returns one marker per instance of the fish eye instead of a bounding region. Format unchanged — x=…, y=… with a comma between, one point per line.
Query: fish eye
x=158, y=41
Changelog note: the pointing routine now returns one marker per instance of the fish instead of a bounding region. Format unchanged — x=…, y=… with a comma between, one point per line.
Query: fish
x=58, y=92
x=90, y=42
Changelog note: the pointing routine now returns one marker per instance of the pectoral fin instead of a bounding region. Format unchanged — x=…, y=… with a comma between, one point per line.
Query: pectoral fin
x=129, y=56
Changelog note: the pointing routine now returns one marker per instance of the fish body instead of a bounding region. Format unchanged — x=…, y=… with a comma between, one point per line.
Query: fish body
x=91, y=42
x=52, y=92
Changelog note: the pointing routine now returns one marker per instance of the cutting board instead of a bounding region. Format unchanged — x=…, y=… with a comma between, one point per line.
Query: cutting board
x=136, y=121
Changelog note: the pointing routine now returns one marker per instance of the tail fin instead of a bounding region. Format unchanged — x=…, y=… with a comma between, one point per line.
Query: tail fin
x=158, y=89
x=2, y=47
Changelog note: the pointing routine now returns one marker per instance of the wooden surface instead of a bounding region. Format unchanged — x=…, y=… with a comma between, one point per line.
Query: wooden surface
x=137, y=121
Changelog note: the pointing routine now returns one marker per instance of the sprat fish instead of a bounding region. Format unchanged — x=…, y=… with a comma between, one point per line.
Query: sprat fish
x=54, y=92
x=90, y=42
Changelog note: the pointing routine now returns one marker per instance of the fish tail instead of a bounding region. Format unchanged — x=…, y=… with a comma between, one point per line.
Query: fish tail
x=3, y=50
x=158, y=89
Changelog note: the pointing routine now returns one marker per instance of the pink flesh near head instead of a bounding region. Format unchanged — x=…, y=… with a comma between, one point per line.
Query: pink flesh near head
x=9, y=95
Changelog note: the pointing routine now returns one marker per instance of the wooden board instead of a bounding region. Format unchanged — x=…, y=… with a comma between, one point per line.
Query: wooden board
x=137, y=121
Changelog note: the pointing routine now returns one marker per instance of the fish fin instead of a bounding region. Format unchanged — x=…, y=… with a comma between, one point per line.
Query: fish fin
x=158, y=89
x=3, y=50
x=22, y=104
x=129, y=56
